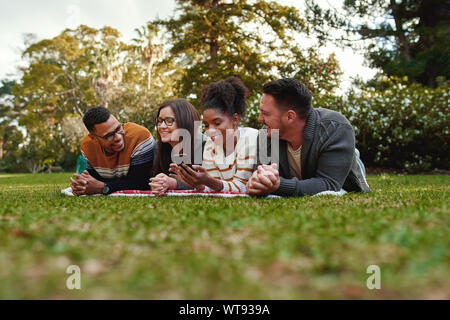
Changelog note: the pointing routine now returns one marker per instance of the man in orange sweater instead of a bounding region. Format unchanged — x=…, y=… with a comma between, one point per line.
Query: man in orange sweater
x=119, y=157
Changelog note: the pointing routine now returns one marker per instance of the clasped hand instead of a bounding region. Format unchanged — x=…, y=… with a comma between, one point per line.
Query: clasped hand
x=264, y=180
x=161, y=183
x=85, y=184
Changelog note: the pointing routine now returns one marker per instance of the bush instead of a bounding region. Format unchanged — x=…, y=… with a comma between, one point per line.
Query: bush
x=398, y=125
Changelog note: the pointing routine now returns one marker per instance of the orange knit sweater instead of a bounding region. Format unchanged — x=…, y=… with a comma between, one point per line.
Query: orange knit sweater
x=139, y=145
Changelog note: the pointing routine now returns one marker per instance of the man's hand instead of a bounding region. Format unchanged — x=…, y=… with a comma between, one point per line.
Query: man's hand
x=196, y=178
x=78, y=185
x=265, y=180
x=161, y=183
x=85, y=184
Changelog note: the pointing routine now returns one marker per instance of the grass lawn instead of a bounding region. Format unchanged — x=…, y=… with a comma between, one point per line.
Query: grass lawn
x=198, y=248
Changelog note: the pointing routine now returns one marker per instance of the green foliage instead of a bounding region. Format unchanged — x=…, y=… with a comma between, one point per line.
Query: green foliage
x=397, y=124
x=65, y=75
x=402, y=38
x=10, y=135
x=206, y=41
x=211, y=248
x=254, y=40
x=78, y=69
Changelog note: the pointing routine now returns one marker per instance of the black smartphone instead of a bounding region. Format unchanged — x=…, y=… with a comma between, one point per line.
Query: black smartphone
x=187, y=164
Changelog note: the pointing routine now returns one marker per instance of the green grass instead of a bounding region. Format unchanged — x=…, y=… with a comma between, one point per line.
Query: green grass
x=197, y=248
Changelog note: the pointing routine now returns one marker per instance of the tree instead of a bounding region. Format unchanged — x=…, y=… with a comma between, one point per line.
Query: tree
x=255, y=40
x=403, y=37
x=10, y=135
x=75, y=70
x=158, y=81
x=8, y=126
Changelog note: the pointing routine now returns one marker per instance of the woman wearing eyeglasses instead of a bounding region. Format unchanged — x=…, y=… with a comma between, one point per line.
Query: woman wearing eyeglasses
x=172, y=115
x=230, y=151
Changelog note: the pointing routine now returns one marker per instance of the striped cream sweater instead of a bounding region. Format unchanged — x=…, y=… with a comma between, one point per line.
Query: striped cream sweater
x=235, y=169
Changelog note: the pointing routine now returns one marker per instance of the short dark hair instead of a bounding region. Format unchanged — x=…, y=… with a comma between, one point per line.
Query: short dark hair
x=290, y=93
x=95, y=116
x=229, y=96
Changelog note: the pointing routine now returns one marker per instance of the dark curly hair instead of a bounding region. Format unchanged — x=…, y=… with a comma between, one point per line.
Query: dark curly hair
x=95, y=116
x=290, y=94
x=229, y=96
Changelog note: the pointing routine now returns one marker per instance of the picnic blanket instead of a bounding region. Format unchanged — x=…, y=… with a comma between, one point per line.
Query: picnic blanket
x=170, y=193
x=190, y=193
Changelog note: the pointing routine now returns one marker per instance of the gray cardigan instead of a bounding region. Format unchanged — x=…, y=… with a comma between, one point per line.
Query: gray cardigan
x=328, y=158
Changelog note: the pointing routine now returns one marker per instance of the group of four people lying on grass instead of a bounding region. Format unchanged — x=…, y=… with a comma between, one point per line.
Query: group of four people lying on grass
x=301, y=150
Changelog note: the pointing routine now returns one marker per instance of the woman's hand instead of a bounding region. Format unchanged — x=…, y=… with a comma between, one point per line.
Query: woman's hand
x=197, y=177
x=161, y=183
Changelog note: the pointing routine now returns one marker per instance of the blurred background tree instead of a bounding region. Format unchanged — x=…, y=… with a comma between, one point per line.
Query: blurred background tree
x=254, y=40
x=10, y=135
x=400, y=37
x=403, y=108
x=78, y=69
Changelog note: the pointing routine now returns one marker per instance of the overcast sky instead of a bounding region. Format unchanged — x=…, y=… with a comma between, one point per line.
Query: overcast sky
x=47, y=18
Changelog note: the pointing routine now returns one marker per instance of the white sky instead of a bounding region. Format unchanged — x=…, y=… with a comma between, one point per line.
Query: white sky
x=47, y=18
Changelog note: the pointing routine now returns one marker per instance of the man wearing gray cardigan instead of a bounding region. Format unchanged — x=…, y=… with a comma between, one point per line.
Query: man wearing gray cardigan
x=316, y=147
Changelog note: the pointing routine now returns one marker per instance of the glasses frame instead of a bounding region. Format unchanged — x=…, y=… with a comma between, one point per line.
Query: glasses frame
x=111, y=135
x=159, y=121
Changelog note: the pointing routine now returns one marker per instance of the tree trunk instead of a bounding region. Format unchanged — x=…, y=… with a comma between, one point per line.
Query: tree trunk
x=33, y=166
x=432, y=14
x=214, y=49
x=214, y=44
x=402, y=40
x=3, y=143
x=149, y=63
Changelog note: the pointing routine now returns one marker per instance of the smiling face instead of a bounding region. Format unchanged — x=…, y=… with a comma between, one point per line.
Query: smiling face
x=110, y=135
x=165, y=131
x=270, y=115
x=219, y=124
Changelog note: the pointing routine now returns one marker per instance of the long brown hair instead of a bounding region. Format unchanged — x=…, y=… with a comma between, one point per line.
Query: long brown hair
x=185, y=115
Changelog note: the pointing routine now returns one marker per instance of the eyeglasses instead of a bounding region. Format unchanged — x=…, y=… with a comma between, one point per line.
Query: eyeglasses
x=168, y=121
x=110, y=135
